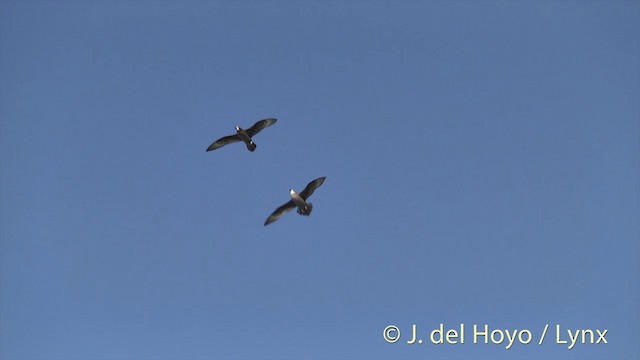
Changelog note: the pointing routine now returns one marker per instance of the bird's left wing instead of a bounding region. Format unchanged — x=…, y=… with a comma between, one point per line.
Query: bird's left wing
x=311, y=187
x=257, y=127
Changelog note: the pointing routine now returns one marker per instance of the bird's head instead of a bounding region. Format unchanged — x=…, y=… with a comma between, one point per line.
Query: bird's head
x=237, y=128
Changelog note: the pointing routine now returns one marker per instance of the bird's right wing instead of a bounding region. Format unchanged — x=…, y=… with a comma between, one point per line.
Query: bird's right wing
x=224, y=141
x=279, y=212
x=311, y=187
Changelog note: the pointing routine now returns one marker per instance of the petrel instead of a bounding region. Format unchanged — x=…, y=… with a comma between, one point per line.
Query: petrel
x=297, y=200
x=243, y=135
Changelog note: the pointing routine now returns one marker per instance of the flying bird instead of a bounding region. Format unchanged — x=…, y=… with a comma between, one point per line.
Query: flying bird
x=297, y=200
x=243, y=135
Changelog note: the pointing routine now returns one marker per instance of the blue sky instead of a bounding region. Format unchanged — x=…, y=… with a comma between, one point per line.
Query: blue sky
x=482, y=164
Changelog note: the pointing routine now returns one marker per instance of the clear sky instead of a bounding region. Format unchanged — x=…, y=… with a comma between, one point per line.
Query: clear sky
x=482, y=162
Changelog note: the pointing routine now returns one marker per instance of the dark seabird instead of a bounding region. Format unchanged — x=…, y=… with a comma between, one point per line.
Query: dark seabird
x=297, y=200
x=243, y=135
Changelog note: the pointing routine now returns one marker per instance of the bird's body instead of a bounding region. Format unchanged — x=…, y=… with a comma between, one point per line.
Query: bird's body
x=243, y=135
x=297, y=201
x=304, y=208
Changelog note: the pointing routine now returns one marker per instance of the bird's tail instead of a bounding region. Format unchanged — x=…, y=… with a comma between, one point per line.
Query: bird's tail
x=307, y=210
